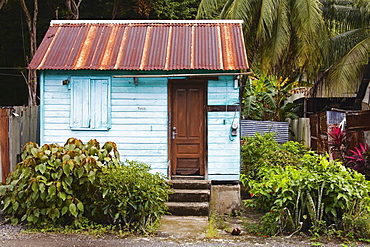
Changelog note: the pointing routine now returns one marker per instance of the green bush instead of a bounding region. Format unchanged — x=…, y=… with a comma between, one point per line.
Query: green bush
x=255, y=150
x=131, y=196
x=263, y=151
x=56, y=185
x=315, y=191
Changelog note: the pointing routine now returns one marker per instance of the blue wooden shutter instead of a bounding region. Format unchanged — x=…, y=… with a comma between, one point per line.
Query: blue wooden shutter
x=100, y=107
x=80, y=103
x=90, y=104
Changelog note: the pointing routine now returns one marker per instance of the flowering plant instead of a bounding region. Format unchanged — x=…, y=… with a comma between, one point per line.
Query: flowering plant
x=338, y=140
x=359, y=161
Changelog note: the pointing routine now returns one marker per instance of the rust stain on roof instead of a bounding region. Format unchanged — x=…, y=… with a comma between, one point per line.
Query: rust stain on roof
x=154, y=45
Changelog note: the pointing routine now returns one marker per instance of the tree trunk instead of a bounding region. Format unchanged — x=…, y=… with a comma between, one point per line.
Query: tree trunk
x=31, y=24
x=73, y=9
x=116, y=7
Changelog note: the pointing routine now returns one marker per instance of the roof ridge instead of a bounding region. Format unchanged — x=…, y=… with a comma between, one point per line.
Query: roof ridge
x=221, y=21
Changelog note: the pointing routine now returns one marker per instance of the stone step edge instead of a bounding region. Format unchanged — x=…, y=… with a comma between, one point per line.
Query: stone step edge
x=189, y=184
x=188, y=208
x=187, y=204
x=191, y=191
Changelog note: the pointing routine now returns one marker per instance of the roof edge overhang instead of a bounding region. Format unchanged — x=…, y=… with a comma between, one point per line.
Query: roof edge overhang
x=59, y=22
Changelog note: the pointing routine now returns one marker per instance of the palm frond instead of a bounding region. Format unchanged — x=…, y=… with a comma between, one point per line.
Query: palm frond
x=276, y=48
x=345, y=75
x=343, y=43
x=208, y=6
x=311, y=34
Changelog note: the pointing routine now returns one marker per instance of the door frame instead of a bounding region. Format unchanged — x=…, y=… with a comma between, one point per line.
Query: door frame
x=205, y=121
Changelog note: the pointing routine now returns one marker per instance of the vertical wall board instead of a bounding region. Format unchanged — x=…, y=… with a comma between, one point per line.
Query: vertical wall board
x=223, y=149
x=23, y=122
x=4, y=143
x=16, y=137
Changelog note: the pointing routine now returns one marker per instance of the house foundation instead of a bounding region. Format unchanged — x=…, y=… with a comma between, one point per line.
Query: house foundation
x=225, y=197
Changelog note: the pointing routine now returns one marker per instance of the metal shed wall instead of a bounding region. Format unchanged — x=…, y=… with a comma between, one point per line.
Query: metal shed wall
x=250, y=127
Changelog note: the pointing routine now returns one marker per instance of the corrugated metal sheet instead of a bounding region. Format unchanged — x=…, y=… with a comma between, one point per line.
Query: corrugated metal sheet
x=126, y=45
x=250, y=127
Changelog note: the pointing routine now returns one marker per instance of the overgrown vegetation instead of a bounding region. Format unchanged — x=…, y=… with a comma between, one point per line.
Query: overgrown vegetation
x=304, y=194
x=78, y=183
x=264, y=98
x=358, y=158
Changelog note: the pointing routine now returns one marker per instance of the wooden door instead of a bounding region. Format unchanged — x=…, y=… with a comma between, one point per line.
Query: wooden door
x=187, y=127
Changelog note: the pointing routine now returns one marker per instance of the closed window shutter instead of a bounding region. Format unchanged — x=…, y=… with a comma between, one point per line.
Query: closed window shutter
x=100, y=104
x=90, y=104
x=80, y=103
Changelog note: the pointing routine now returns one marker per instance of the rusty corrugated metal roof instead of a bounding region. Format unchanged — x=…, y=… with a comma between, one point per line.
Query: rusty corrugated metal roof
x=142, y=45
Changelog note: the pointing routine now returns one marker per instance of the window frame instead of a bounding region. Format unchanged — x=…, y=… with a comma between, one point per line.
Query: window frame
x=87, y=88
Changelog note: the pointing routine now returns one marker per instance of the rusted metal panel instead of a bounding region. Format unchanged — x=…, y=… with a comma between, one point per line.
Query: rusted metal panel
x=4, y=143
x=142, y=46
x=319, y=128
x=354, y=138
x=358, y=120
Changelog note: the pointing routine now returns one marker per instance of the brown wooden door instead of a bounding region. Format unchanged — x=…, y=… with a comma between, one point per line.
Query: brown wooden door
x=187, y=128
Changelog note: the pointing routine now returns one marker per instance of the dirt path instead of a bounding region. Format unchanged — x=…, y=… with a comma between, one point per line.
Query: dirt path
x=175, y=231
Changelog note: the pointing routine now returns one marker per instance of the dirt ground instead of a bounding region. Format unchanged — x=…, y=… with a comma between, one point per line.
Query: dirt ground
x=174, y=231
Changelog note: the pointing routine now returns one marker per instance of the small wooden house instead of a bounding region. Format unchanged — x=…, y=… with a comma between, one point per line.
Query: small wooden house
x=166, y=92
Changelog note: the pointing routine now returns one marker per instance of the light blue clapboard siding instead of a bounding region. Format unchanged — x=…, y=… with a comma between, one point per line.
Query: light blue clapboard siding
x=223, y=150
x=138, y=117
x=139, y=120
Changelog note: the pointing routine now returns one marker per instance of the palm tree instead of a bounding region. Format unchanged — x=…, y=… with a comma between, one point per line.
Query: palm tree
x=327, y=42
x=283, y=37
x=348, y=23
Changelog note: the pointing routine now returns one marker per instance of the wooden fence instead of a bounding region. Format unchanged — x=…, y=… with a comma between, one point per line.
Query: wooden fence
x=18, y=125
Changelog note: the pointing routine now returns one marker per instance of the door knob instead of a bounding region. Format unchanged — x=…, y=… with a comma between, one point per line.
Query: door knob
x=174, y=133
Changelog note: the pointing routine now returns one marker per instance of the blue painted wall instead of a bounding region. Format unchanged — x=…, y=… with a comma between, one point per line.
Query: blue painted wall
x=139, y=118
x=223, y=149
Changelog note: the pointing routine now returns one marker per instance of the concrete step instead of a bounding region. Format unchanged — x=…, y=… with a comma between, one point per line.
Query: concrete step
x=190, y=184
x=180, y=177
x=188, y=208
x=183, y=195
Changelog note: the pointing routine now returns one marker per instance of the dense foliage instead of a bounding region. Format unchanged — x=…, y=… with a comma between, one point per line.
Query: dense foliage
x=308, y=194
x=65, y=185
x=262, y=150
x=264, y=98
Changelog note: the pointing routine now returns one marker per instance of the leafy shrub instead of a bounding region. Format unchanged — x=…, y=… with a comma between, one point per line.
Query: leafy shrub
x=255, y=150
x=357, y=219
x=306, y=195
x=63, y=185
x=262, y=150
x=132, y=196
x=295, y=148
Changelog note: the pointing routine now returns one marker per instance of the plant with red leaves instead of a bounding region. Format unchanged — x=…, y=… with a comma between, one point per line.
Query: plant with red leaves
x=338, y=142
x=359, y=161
